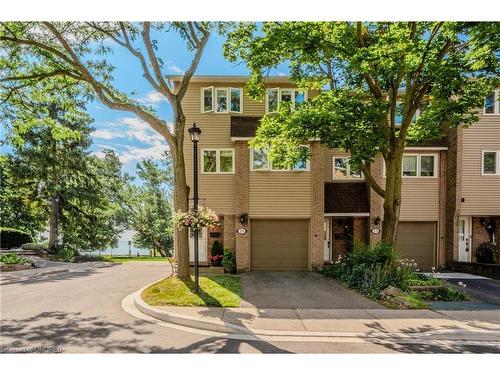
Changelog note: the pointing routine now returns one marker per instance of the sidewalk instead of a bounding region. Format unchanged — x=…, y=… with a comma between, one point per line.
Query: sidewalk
x=323, y=322
x=49, y=268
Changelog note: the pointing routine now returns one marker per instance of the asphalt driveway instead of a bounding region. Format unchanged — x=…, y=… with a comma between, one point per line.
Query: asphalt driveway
x=299, y=290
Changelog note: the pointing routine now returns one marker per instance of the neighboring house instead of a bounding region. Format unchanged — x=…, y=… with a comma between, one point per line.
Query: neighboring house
x=302, y=218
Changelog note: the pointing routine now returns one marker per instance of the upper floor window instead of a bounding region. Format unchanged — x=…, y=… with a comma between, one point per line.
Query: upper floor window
x=222, y=99
x=491, y=163
x=491, y=103
x=277, y=95
x=398, y=118
x=343, y=170
x=260, y=162
x=217, y=160
x=418, y=165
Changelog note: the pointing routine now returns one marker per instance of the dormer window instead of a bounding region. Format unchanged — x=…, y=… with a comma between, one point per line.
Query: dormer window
x=275, y=96
x=222, y=99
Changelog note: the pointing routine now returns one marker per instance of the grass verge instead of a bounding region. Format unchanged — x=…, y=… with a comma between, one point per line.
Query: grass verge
x=126, y=259
x=216, y=290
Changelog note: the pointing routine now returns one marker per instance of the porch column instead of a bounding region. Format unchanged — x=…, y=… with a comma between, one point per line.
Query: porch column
x=318, y=205
x=242, y=196
x=376, y=203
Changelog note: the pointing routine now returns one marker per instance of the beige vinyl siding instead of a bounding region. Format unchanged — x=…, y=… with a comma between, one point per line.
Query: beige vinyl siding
x=419, y=195
x=280, y=194
x=217, y=190
x=481, y=193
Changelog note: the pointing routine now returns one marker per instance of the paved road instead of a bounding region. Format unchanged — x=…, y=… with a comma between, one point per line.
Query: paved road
x=80, y=312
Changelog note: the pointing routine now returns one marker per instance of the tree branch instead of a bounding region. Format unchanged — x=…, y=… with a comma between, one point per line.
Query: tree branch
x=365, y=168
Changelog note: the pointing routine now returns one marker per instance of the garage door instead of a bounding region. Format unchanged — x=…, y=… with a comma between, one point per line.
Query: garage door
x=279, y=245
x=417, y=240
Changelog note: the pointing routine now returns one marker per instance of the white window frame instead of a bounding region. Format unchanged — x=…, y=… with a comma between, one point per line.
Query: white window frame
x=419, y=172
x=240, y=89
x=417, y=166
x=497, y=163
x=496, y=104
x=217, y=160
x=202, y=106
x=348, y=170
x=228, y=104
x=293, y=90
x=270, y=165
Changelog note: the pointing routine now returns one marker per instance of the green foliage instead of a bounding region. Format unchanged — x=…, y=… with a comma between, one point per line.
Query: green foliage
x=371, y=79
x=147, y=208
x=34, y=246
x=486, y=253
x=371, y=270
x=229, y=260
x=66, y=253
x=12, y=238
x=217, y=248
x=14, y=259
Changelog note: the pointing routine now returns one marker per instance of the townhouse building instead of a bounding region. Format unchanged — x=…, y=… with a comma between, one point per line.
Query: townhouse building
x=304, y=217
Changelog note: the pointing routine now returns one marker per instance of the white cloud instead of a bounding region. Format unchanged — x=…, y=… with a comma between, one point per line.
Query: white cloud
x=281, y=74
x=134, y=154
x=152, y=98
x=175, y=69
x=127, y=127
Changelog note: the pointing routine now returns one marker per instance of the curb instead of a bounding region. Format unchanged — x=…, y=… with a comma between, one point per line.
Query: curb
x=217, y=326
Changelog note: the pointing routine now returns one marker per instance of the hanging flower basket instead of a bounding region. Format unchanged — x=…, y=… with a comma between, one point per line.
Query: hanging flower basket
x=205, y=217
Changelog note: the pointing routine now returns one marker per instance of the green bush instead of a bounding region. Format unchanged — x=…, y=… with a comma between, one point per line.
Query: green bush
x=65, y=253
x=371, y=270
x=12, y=238
x=486, y=253
x=14, y=259
x=34, y=246
x=229, y=261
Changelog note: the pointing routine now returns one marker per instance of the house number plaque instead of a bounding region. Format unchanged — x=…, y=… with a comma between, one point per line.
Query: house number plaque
x=375, y=231
x=241, y=231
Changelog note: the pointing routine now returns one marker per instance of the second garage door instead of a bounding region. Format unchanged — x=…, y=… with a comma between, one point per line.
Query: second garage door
x=279, y=245
x=417, y=241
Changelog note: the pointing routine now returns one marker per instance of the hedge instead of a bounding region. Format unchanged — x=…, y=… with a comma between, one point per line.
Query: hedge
x=12, y=238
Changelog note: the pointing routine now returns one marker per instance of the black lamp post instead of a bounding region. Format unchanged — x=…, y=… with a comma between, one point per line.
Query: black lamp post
x=195, y=132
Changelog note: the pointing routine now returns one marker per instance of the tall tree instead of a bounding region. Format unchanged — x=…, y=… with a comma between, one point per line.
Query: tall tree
x=373, y=78
x=77, y=51
x=50, y=132
x=148, y=205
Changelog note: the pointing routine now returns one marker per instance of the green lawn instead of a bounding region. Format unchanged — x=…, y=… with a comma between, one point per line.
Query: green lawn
x=215, y=290
x=125, y=259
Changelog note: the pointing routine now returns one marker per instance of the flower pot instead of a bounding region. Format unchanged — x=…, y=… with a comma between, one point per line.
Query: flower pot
x=216, y=262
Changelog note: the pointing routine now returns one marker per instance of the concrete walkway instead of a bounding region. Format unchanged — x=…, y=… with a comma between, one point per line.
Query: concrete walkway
x=318, y=322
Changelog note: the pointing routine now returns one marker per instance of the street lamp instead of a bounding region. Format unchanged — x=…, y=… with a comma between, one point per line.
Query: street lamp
x=129, y=251
x=194, y=133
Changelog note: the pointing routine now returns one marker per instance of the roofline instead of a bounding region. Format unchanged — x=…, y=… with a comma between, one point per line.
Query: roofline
x=227, y=78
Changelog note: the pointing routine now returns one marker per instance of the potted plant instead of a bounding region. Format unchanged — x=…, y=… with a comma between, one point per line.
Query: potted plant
x=204, y=217
x=216, y=254
x=486, y=253
x=229, y=261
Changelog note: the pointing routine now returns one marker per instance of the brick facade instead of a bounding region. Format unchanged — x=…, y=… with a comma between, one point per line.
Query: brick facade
x=375, y=203
x=242, y=198
x=318, y=206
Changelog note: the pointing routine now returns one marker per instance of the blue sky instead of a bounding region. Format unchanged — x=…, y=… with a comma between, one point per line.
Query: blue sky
x=131, y=138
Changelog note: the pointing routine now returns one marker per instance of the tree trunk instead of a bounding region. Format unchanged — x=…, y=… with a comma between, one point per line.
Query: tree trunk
x=53, y=222
x=181, y=197
x=392, y=199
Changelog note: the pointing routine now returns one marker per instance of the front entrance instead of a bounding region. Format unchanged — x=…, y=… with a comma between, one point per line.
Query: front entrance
x=202, y=245
x=464, y=239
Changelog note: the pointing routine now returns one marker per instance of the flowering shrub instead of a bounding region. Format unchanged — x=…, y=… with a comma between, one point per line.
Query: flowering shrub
x=215, y=258
x=205, y=217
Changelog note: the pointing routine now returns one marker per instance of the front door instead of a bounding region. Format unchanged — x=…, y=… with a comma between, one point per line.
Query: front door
x=202, y=245
x=464, y=240
x=328, y=230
